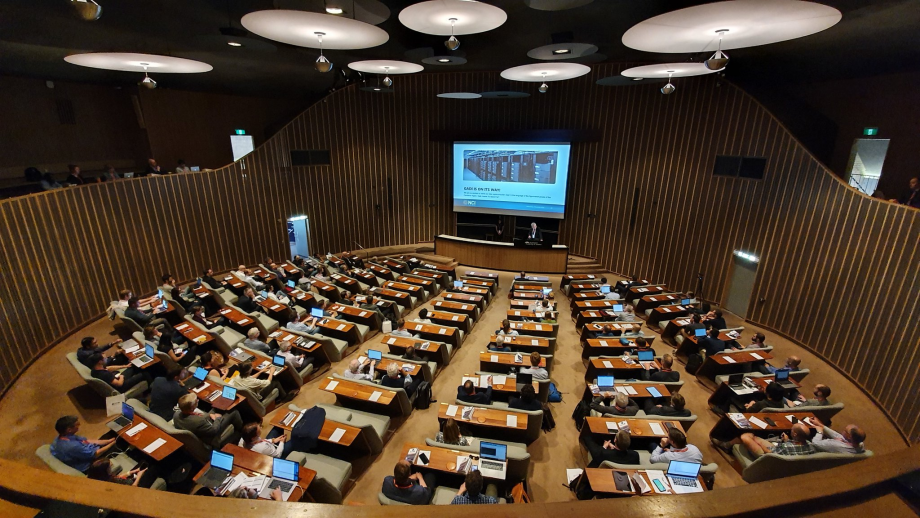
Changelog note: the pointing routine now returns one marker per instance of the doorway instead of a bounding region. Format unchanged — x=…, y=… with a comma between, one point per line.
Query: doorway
x=741, y=282
x=865, y=166
x=298, y=228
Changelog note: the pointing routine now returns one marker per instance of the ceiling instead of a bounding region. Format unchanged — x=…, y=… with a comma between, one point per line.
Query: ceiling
x=878, y=37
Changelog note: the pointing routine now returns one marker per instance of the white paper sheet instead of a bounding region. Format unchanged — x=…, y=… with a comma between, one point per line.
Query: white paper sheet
x=391, y=341
x=332, y=385
x=729, y=359
x=603, y=343
x=375, y=396
x=511, y=421
x=499, y=380
x=337, y=435
x=340, y=327
x=572, y=474
x=757, y=422
x=756, y=356
x=607, y=364
x=136, y=429
x=152, y=447
x=442, y=331
x=452, y=410
x=657, y=429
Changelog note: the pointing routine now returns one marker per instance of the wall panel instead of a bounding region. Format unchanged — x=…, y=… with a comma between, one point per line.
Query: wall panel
x=838, y=272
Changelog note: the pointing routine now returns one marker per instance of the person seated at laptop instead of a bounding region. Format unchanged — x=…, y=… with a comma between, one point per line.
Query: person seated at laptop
x=710, y=344
x=798, y=444
x=757, y=342
x=792, y=363
x=714, y=319
x=246, y=302
x=277, y=295
x=622, y=404
x=696, y=322
x=499, y=344
x=775, y=396
x=102, y=470
x=207, y=427
x=165, y=392
x=675, y=447
x=208, y=323
x=628, y=314
x=260, y=387
x=143, y=318
x=401, y=329
x=450, y=434
x=121, y=382
x=468, y=394
x=166, y=344
x=470, y=491
x=396, y=377
x=360, y=371
x=643, y=345
x=827, y=440
x=251, y=439
x=324, y=306
x=675, y=409
x=305, y=324
x=605, y=332
x=297, y=361
x=346, y=298
x=527, y=401
x=76, y=451
x=611, y=293
x=214, y=362
x=245, y=275
x=90, y=347
x=539, y=373
x=821, y=393
x=665, y=374
x=423, y=316
x=616, y=451
x=254, y=341
x=207, y=277
x=506, y=329
x=407, y=487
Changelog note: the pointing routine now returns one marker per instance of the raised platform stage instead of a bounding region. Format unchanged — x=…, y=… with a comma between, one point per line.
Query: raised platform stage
x=496, y=255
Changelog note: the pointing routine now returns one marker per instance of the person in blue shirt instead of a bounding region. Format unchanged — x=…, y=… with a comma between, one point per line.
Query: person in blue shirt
x=471, y=491
x=407, y=487
x=76, y=451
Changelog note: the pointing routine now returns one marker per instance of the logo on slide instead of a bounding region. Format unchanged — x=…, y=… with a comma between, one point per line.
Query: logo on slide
x=470, y=202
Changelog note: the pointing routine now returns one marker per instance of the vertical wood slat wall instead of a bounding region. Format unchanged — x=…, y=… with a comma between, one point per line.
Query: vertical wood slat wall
x=838, y=271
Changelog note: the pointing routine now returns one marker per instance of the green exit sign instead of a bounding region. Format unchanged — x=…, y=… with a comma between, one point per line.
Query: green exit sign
x=870, y=132
x=243, y=132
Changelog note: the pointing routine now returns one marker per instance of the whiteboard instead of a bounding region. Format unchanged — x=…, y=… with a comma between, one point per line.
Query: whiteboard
x=242, y=145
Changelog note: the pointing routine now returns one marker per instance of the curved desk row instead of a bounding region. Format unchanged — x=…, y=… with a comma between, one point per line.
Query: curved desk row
x=496, y=255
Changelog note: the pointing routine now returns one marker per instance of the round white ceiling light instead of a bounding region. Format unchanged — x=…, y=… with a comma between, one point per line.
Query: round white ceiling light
x=131, y=62
x=459, y=95
x=664, y=70
x=385, y=66
x=434, y=17
x=300, y=27
x=562, y=51
x=444, y=60
x=545, y=72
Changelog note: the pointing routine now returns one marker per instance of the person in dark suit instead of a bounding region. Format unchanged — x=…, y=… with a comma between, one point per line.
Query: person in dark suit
x=675, y=409
x=528, y=400
x=143, y=318
x=714, y=319
x=467, y=393
x=207, y=427
x=912, y=197
x=696, y=322
x=665, y=374
x=120, y=382
x=711, y=343
x=616, y=451
x=246, y=302
x=75, y=178
x=535, y=233
x=622, y=405
x=165, y=392
x=207, y=277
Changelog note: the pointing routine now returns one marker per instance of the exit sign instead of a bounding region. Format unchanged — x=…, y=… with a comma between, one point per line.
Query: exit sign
x=870, y=132
x=243, y=132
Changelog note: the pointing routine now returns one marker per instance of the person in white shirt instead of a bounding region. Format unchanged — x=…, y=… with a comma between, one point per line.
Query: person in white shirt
x=271, y=446
x=261, y=388
x=539, y=373
x=297, y=361
x=628, y=314
x=611, y=294
x=423, y=316
x=827, y=440
x=277, y=295
x=401, y=330
x=541, y=306
x=675, y=447
x=356, y=370
x=244, y=274
x=506, y=329
x=307, y=324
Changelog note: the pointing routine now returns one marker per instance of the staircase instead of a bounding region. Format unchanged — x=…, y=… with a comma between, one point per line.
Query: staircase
x=582, y=264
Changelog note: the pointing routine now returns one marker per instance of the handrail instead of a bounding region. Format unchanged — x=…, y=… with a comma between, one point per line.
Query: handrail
x=833, y=488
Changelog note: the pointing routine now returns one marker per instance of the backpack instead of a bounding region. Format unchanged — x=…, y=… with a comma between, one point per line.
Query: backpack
x=554, y=395
x=693, y=363
x=582, y=410
x=549, y=422
x=579, y=485
x=423, y=397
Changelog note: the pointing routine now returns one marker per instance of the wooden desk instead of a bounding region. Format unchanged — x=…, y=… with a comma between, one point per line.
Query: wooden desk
x=290, y=269
x=278, y=311
x=441, y=279
x=441, y=459
x=351, y=390
x=595, y=315
x=449, y=319
x=435, y=332
x=365, y=277
x=340, y=329
x=725, y=429
x=724, y=394
x=431, y=265
x=476, y=291
x=357, y=315
x=237, y=318
x=346, y=282
x=382, y=364
x=567, y=279
x=607, y=347
x=523, y=286
x=307, y=347
x=381, y=272
x=527, y=295
x=494, y=418
x=193, y=333
x=303, y=299
x=492, y=286
x=503, y=361
x=653, y=301
x=663, y=313
x=456, y=307
x=325, y=435
x=672, y=329
x=588, y=295
x=584, y=305
x=640, y=388
x=618, y=368
x=466, y=298
x=264, y=275
x=535, y=329
x=637, y=292
x=395, y=265
x=578, y=287
x=147, y=436
x=525, y=343
x=638, y=428
x=729, y=363
x=325, y=289
x=601, y=481
x=618, y=328
x=502, y=256
x=427, y=285
x=255, y=463
x=524, y=314
x=690, y=345
x=483, y=275
x=138, y=353
x=403, y=299
x=207, y=388
x=507, y=389
x=398, y=345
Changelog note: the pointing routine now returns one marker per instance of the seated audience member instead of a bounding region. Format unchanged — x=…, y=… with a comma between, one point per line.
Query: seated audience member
x=827, y=440
x=541, y=306
x=401, y=329
x=710, y=344
x=260, y=387
x=643, y=345
x=675, y=447
x=170, y=286
x=792, y=363
x=616, y=451
x=775, y=399
x=297, y=361
x=120, y=382
x=411, y=354
x=152, y=168
x=499, y=344
x=182, y=168
x=407, y=487
x=398, y=378
x=821, y=393
x=122, y=302
x=76, y=451
x=470, y=491
x=251, y=439
x=360, y=371
x=253, y=341
x=75, y=177
x=665, y=374
x=628, y=314
x=207, y=277
x=207, y=427
x=506, y=329
x=166, y=344
x=165, y=392
x=714, y=319
x=911, y=198
x=143, y=318
x=622, y=404
x=675, y=409
x=696, y=322
x=468, y=394
x=49, y=183
x=246, y=301
x=605, y=332
x=245, y=275
x=213, y=361
x=450, y=434
x=539, y=373
x=798, y=445
x=423, y=316
x=90, y=347
x=277, y=295
x=612, y=294
x=207, y=323
x=757, y=342
x=102, y=470
x=527, y=401
x=305, y=324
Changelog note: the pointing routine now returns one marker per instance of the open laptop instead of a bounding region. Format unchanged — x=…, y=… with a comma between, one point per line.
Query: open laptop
x=781, y=376
x=125, y=419
x=316, y=312
x=645, y=358
x=605, y=383
x=127, y=175
x=285, y=475
x=221, y=467
x=458, y=284
x=493, y=459
x=617, y=308
x=547, y=291
x=228, y=393
x=197, y=378
x=686, y=302
x=374, y=355
x=683, y=477
x=195, y=168
x=736, y=381
x=291, y=284
x=605, y=289
x=699, y=333
x=278, y=361
x=145, y=358
x=523, y=379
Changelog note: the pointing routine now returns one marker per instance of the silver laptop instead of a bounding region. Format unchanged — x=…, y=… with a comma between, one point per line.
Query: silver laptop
x=284, y=475
x=493, y=459
x=683, y=477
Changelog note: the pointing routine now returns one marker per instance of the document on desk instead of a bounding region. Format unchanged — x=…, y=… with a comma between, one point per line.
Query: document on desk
x=136, y=429
x=332, y=385
x=152, y=447
x=455, y=318
x=391, y=341
x=340, y=327
x=493, y=358
x=603, y=343
x=499, y=380
x=630, y=390
x=464, y=307
x=757, y=422
x=484, y=380
x=452, y=410
x=201, y=387
x=607, y=364
x=517, y=313
x=511, y=421
x=442, y=331
x=621, y=390
x=337, y=434
x=375, y=396
x=244, y=321
x=655, y=474
x=729, y=359
x=657, y=429
x=418, y=327
x=113, y=405
x=756, y=356
x=538, y=327
x=129, y=348
x=612, y=426
x=534, y=342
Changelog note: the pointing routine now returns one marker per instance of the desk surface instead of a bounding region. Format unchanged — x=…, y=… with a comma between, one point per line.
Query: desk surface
x=220, y=403
x=403, y=342
x=348, y=388
x=148, y=435
x=329, y=427
x=441, y=459
x=252, y=462
x=601, y=481
x=494, y=417
x=498, y=255
x=637, y=427
x=508, y=359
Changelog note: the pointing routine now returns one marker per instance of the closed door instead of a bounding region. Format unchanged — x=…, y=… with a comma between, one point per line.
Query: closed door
x=741, y=286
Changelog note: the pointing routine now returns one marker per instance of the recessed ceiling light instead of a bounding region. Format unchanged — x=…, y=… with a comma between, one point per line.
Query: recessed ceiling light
x=234, y=44
x=562, y=51
x=334, y=10
x=444, y=60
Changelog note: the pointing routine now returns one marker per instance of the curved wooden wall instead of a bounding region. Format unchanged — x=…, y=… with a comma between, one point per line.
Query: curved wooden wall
x=838, y=270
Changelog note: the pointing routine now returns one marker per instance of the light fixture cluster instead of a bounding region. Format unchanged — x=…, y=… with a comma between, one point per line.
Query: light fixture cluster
x=747, y=256
x=322, y=64
x=148, y=81
x=89, y=10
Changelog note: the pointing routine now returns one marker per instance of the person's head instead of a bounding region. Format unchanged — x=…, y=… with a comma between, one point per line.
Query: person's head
x=468, y=387
x=401, y=473
x=207, y=358
x=88, y=342
x=284, y=346
x=775, y=392
x=132, y=302
x=245, y=369
x=822, y=392
x=124, y=294
x=667, y=361
x=914, y=183
x=603, y=280
x=97, y=361
x=696, y=318
x=473, y=483
x=423, y=313
x=74, y=169
x=198, y=309
x=188, y=403
x=354, y=365
x=506, y=325
x=168, y=278
x=629, y=308
x=207, y=272
x=622, y=440
x=181, y=163
x=67, y=425
x=535, y=359
x=173, y=373
x=400, y=324
x=166, y=338
x=800, y=433
x=854, y=434
x=528, y=394
x=253, y=333
x=152, y=162
x=793, y=362
x=677, y=438
x=718, y=313
x=410, y=351
x=251, y=432
x=758, y=338
x=533, y=225
x=621, y=400
x=607, y=329
x=545, y=303
x=678, y=401
x=641, y=343
x=392, y=370
x=451, y=431
x=100, y=470
x=249, y=293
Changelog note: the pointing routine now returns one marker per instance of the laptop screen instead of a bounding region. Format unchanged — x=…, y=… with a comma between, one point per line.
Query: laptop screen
x=228, y=392
x=547, y=291
x=458, y=284
x=605, y=289
x=646, y=356
x=493, y=451
x=699, y=333
x=159, y=294
x=524, y=377
x=222, y=460
x=605, y=381
x=278, y=360
x=373, y=354
x=291, y=284
x=149, y=350
x=316, y=312
x=686, y=302
x=617, y=308
x=734, y=379
x=201, y=373
x=286, y=469
x=782, y=374
x=678, y=468
x=127, y=411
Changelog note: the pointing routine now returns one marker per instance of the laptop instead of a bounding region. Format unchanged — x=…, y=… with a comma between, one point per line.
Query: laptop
x=781, y=376
x=125, y=419
x=605, y=289
x=128, y=175
x=145, y=358
x=221, y=466
x=228, y=393
x=646, y=357
x=458, y=284
x=291, y=284
x=522, y=379
x=547, y=291
x=195, y=168
x=196, y=379
x=605, y=383
x=374, y=354
x=493, y=458
x=316, y=312
x=285, y=475
x=617, y=308
x=736, y=381
x=278, y=361
x=683, y=477
x=699, y=333
x=686, y=302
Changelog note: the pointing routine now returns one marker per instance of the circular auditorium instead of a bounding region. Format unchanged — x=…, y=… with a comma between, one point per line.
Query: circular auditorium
x=590, y=257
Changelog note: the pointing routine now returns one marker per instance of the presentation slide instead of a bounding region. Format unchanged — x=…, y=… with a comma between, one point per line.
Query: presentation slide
x=515, y=178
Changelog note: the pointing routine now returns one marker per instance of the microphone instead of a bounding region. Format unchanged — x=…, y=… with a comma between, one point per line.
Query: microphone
x=362, y=248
